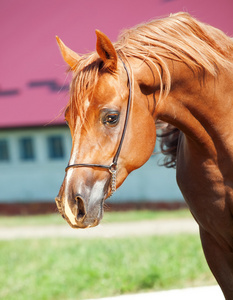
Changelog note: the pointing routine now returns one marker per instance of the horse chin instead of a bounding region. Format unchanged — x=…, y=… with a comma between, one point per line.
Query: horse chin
x=84, y=224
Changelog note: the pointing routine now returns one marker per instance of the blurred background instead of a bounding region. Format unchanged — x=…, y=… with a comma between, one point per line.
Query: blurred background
x=134, y=251
x=35, y=142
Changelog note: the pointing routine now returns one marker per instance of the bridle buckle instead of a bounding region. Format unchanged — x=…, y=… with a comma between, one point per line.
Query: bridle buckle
x=113, y=170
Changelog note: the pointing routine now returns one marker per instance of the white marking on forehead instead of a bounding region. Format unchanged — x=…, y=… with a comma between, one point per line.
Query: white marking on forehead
x=97, y=191
x=68, y=176
x=69, y=172
x=76, y=141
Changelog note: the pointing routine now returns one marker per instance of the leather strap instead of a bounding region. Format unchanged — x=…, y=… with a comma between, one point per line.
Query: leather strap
x=113, y=166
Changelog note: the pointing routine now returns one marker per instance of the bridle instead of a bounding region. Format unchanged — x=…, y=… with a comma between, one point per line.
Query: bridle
x=112, y=168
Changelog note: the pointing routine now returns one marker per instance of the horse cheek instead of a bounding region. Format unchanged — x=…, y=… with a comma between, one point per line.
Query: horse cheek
x=148, y=140
x=143, y=143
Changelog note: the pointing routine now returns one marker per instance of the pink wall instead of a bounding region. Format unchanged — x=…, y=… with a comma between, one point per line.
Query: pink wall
x=29, y=51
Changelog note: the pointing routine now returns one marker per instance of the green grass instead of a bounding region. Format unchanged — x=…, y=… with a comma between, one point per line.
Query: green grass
x=65, y=269
x=109, y=217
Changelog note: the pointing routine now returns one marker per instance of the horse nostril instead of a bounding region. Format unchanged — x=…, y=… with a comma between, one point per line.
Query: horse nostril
x=81, y=211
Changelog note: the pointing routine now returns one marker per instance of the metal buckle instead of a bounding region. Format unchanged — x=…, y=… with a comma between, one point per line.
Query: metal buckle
x=113, y=170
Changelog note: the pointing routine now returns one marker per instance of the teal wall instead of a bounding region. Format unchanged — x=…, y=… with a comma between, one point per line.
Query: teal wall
x=150, y=183
x=40, y=179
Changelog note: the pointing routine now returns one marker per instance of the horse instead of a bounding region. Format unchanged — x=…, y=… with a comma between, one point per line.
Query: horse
x=175, y=75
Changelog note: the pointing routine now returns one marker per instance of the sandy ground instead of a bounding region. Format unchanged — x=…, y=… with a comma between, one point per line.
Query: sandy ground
x=108, y=230
x=202, y=293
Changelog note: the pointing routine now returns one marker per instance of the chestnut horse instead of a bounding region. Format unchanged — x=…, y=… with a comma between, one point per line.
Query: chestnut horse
x=175, y=70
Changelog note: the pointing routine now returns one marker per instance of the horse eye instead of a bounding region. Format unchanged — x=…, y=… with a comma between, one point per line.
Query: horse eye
x=110, y=118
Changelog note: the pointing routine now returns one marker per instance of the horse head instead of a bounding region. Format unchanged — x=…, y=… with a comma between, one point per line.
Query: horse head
x=96, y=115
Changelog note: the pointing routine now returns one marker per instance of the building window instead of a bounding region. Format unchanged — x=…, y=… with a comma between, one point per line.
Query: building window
x=26, y=149
x=4, y=150
x=56, y=147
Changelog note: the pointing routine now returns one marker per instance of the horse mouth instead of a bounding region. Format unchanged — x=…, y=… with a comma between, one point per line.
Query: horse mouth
x=84, y=225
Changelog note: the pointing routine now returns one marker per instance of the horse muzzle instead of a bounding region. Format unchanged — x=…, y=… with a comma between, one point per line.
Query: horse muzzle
x=81, y=205
x=78, y=213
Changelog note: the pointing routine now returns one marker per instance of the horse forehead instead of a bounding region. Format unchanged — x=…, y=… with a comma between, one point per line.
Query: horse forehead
x=108, y=87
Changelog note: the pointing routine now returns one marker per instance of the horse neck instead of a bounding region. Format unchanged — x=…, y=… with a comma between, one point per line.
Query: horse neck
x=200, y=106
x=202, y=109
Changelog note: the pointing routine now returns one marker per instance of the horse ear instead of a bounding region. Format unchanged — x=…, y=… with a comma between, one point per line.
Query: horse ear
x=106, y=51
x=69, y=56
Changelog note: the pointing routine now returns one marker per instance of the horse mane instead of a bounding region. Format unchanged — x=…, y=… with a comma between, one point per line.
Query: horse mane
x=168, y=136
x=179, y=37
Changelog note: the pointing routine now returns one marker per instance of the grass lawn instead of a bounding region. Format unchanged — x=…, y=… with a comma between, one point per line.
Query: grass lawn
x=68, y=268
x=64, y=268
